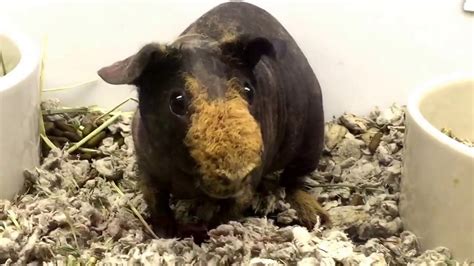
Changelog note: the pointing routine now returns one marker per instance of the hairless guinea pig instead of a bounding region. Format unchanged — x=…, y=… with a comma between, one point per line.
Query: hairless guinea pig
x=231, y=100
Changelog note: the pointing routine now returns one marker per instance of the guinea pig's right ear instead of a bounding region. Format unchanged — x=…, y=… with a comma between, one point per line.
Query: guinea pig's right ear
x=249, y=50
x=128, y=70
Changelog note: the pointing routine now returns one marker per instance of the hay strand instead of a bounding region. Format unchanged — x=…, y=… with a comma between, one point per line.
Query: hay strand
x=12, y=217
x=2, y=63
x=115, y=108
x=65, y=111
x=70, y=86
x=136, y=212
x=93, y=133
x=47, y=141
x=41, y=84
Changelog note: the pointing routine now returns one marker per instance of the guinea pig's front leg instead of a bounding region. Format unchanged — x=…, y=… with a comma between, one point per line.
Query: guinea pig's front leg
x=162, y=217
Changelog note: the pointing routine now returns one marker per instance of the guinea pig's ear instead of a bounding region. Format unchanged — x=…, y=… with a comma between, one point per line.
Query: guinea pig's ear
x=249, y=51
x=128, y=70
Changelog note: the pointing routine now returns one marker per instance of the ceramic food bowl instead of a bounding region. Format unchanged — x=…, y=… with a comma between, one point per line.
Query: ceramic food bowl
x=437, y=196
x=19, y=110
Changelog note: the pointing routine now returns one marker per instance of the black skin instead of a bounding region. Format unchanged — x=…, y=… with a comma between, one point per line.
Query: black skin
x=287, y=104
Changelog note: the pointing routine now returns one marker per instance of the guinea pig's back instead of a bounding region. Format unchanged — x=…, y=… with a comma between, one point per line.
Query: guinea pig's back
x=235, y=18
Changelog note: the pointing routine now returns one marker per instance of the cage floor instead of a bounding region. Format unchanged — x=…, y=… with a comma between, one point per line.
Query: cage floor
x=78, y=211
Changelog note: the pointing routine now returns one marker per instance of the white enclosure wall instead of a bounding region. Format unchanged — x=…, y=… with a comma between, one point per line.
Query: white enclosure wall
x=364, y=52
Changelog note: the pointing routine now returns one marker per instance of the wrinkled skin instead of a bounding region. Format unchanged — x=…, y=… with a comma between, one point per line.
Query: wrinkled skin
x=187, y=148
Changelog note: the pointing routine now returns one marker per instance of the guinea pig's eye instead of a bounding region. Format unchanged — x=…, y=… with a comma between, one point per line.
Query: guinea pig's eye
x=249, y=92
x=178, y=103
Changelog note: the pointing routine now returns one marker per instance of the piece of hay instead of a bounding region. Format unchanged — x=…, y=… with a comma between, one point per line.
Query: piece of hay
x=2, y=65
x=449, y=132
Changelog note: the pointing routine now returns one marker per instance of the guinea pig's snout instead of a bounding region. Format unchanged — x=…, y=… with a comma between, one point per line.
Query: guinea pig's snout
x=224, y=180
x=228, y=184
x=223, y=186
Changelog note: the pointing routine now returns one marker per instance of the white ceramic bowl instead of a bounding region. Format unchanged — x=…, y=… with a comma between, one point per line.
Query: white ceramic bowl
x=437, y=197
x=19, y=111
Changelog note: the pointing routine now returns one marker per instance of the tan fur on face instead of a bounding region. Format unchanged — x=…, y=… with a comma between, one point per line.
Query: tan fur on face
x=224, y=138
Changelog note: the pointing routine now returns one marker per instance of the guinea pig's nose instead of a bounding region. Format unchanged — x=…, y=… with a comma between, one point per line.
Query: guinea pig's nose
x=224, y=180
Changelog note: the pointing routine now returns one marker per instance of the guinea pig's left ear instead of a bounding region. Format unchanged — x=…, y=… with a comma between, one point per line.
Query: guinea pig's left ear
x=129, y=69
x=249, y=50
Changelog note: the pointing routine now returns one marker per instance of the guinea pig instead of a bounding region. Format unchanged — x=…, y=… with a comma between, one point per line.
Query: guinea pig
x=232, y=99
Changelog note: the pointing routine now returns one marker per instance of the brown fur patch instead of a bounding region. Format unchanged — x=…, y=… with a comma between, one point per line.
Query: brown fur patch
x=224, y=138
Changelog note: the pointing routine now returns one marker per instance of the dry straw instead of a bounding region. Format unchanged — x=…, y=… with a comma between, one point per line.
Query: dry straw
x=41, y=85
x=2, y=64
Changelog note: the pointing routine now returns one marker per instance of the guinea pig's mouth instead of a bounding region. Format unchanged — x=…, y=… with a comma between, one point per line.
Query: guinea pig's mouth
x=223, y=191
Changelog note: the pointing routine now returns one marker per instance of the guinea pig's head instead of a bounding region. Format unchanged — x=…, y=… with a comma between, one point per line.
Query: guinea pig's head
x=197, y=101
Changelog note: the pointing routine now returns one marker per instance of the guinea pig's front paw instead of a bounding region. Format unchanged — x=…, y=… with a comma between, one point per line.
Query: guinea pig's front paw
x=197, y=231
x=164, y=226
x=307, y=208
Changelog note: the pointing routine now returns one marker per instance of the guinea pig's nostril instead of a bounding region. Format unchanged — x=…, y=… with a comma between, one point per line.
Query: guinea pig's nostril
x=224, y=180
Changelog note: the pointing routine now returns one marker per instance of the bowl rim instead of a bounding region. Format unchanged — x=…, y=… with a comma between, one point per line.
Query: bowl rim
x=29, y=59
x=422, y=91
